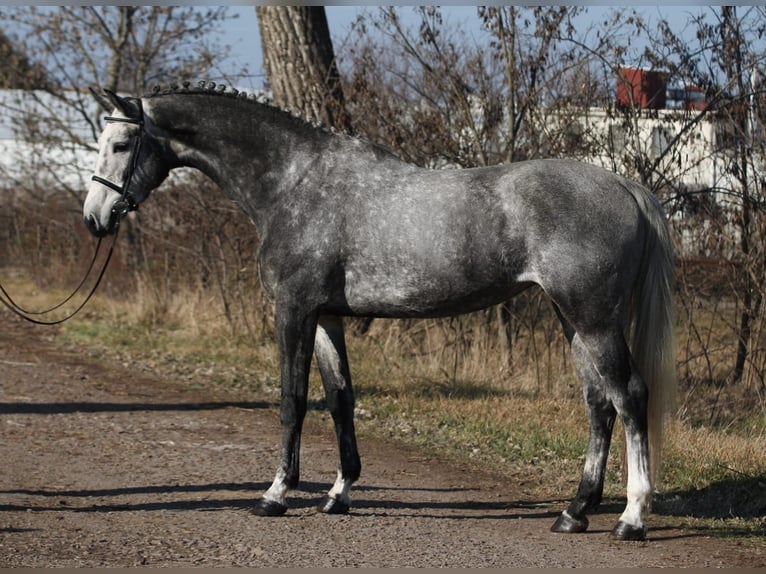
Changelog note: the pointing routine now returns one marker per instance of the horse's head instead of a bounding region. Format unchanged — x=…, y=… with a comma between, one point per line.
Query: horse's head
x=129, y=166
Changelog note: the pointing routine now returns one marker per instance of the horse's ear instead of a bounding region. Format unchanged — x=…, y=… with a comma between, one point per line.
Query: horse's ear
x=102, y=100
x=111, y=101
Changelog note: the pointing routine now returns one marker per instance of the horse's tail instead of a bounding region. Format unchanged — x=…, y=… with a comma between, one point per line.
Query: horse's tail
x=652, y=323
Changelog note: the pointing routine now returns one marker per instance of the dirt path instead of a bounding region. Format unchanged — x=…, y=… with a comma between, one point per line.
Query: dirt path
x=104, y=467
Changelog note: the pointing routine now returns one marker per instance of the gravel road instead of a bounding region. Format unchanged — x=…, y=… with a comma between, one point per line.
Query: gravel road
x=103, y=466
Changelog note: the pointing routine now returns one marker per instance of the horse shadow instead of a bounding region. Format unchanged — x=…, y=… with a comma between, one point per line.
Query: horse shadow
x=675, y=508
x=734, y=506
x=55, y=408
x=212, y=497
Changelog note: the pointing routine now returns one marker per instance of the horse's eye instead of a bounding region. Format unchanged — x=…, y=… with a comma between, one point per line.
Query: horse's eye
x=120, y=147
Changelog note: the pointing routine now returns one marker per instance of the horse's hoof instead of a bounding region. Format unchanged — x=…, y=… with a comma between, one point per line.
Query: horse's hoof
x=269, y=508
x=567, y=524
x=330, y=505
x=625, y=531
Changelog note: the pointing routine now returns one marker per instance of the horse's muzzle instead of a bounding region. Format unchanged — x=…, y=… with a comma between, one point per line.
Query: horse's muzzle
x=119, y=210
x=94, y=226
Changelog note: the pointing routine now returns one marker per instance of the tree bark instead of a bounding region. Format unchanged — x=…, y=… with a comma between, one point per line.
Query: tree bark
x=300, y=63
x=121, y=38
x=732, y=56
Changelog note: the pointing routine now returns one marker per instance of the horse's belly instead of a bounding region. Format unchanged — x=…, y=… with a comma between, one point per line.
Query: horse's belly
x=415, y=294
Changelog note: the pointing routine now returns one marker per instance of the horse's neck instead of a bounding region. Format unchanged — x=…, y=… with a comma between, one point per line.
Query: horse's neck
x=244, y=147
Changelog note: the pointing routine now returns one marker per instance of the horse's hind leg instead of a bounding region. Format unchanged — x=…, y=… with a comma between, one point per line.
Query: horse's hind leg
x=330, y=351
x=601, y=414
x=619, y=384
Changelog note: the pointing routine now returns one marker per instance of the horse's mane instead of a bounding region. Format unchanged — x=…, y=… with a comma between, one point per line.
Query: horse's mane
x=263, y=103
x=259, y=99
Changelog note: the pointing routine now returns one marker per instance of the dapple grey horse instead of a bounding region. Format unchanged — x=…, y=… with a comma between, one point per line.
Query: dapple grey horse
x=348, y=229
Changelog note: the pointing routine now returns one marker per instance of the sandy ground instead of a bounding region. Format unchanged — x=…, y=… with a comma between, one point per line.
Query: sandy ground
x=103, y=466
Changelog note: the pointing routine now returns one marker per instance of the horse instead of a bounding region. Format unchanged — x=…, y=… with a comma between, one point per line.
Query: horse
x=348, y=229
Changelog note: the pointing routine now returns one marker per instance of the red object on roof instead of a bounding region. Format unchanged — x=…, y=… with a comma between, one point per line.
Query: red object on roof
x=641, y=88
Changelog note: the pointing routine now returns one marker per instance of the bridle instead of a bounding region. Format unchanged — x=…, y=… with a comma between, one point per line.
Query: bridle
x=122, y=207
x=126, y=203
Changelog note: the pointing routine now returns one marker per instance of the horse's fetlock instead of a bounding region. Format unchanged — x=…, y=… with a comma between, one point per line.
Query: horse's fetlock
x=330, y=505
x=291, y=481
x=353, y=472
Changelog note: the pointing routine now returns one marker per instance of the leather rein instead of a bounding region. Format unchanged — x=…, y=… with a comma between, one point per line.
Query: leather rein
x=125, y=204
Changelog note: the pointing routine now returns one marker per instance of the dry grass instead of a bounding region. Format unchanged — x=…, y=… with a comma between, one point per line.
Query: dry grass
x=715, y=481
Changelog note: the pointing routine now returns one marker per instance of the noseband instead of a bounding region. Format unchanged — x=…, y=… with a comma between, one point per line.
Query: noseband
x=126, y=203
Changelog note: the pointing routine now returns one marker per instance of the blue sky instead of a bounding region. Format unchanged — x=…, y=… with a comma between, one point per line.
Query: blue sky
x=242, y=33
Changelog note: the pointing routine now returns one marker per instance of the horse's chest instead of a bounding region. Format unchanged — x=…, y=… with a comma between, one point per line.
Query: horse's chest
x=292, y=258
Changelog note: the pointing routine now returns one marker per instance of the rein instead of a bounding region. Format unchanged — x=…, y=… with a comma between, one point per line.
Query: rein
x=125, y=204
x=28, y=315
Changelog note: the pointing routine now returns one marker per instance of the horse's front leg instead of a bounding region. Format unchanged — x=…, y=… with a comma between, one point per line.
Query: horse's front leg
x=295, y=336
x=330, y=349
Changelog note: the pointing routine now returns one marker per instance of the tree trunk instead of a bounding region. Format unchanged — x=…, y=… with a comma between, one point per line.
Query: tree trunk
x=121, y=39
x=300, y=63
x=732, y=47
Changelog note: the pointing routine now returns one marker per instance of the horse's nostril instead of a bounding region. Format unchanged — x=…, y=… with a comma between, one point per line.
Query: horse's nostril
x=94, y=226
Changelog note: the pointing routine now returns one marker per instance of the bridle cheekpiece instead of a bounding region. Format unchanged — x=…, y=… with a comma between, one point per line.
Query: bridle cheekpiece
x=126, y=203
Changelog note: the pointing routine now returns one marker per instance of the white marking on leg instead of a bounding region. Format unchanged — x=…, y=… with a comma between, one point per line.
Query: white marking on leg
x=639, y=489
x=278, y=490
x=324, y=345
x=340, y=489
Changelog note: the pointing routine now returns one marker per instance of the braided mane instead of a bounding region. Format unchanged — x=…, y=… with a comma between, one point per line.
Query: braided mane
x=261, y=99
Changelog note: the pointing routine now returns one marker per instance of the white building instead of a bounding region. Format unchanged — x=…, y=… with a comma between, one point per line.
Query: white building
x=61, y=159
x=692, y=152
